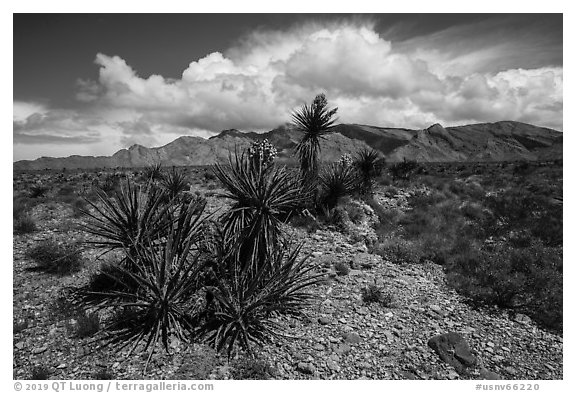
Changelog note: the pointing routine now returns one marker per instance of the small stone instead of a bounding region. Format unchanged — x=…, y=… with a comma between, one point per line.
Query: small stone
x=318, y=347
x=510, y=370
x=352, y=338
x=61, y=366
x=506, y=349
x=436, y=309
x=388, y=314
x=343, y=349
x=364, y=365
x=37, y=351
x=324, y=321
x=490, y=344
x=489, y=375
x=549, y=367
x=388, y=334
x=452, y=375
x=332, y=365
x=521, y=318
x=19, y=345
x=306, y=368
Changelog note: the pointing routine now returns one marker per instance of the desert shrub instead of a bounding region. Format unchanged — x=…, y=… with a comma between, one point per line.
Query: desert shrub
x=20, y=325
x=59, y=258
x=473, y=211
x=87, y=324
x=252, y=369
x=404, y=170
x=520, y=209
x=336, y=217
x=24, y=224
x=336, y=181
x=40, y=373
x=174, y=183
x=263, y=197
x=309, y=223
x=209, y=176
x=355, y=211
x=38, y=191
x=79, y=205
x=110, y=183
x=400, y=251
x=342, y=268
x=63, y=307
x=243, y=301
x=375, y=294
x=197, y=364
x=22, y=206
x=390, y=191
x=528, y=280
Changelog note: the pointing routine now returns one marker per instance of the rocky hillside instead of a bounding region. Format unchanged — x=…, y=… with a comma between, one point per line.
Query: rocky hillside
x=501, y=141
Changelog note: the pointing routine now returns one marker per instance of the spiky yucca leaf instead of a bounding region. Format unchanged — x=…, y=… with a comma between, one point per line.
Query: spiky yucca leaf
x=369, y=164
x=262, y=198
x=336, y=181
x=174, y=183
x=313, y=121
x=130, y=216
x=167, y=276
x=244, y=306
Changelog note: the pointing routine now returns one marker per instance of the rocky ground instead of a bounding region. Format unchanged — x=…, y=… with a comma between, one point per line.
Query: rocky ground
x=338, y=337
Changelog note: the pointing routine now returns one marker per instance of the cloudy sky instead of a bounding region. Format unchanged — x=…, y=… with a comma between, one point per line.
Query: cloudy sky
x=93, y=84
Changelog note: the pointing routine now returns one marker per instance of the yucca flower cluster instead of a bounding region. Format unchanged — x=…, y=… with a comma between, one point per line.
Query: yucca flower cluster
x=262, y=152
x=345, y=160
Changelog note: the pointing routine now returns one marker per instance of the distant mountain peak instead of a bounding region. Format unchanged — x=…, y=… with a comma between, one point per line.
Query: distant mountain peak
x=499, y=141
x=233, y=132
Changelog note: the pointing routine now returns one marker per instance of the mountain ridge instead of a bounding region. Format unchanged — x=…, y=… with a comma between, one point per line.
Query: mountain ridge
x=499, y=141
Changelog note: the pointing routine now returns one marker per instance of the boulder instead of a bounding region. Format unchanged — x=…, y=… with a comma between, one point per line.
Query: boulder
x=453, y=349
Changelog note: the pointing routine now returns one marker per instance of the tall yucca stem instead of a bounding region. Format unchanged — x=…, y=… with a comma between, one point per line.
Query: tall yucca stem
x=313, y=122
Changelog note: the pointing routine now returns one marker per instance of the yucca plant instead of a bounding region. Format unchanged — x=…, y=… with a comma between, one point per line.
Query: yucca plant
x=168, y=298
x=336, y=181
x=121, y=221
x=313, y=122
x=262, y=198
x=369, y=164
x=154, y=172
x=174, y=183
x=243, y=306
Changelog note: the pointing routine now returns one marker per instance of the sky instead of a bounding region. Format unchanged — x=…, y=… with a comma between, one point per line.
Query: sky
x=91, y=84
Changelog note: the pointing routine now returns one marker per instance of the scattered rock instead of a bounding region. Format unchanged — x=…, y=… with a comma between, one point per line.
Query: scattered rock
x=453, y=349
x=521, y=318
x=324, y=321
x=490, y=375
x=352, y=338
x=37, y=351
x=332, y=365
x=343, y=349
x=510, y=370
x=306, y=368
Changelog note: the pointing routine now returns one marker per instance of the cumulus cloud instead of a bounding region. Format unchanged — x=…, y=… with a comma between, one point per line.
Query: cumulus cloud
x=255, y=84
